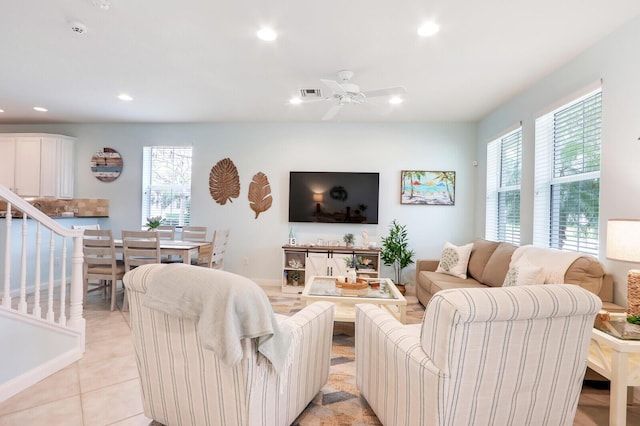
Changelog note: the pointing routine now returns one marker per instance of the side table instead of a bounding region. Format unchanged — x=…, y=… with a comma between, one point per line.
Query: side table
x=619, y=361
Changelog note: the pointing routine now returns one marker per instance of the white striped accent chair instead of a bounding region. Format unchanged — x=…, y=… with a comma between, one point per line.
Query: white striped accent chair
x=184, y=383
x=497, y=356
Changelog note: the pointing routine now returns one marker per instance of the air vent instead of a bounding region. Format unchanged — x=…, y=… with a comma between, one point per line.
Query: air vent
x=310, y=93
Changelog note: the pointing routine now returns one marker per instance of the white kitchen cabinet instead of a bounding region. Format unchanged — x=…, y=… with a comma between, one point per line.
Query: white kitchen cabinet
x=57, y=167
x=21, y=161
x=37, y=165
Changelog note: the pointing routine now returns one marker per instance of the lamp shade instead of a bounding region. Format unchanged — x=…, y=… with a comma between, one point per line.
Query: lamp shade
x=623, y=239
x=317, y=197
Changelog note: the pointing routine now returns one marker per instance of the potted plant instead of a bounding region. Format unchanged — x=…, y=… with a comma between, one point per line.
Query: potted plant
x=154, y=222
x=348, y=239
x=295, y=277
x=395, y=251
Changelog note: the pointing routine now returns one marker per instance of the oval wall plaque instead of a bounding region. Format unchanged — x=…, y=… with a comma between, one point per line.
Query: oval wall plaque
x=106, y=165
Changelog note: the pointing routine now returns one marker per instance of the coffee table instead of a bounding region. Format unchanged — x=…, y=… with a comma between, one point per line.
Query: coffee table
x=619, y=361
x=324, y=288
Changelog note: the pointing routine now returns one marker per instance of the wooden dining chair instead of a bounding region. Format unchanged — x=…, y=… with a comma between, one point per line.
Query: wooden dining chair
x=92, y=226
x=100, y=263
x=220, y=240
x=197, y=234
x=166, y=232
x=139, y=248
x=194, y=233
x=205, y=256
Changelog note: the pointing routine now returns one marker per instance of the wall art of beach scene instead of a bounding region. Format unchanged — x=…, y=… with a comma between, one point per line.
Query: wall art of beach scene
x=428, y=187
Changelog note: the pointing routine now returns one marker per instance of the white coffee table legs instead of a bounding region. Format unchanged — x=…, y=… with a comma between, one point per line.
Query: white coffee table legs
x=619, y=361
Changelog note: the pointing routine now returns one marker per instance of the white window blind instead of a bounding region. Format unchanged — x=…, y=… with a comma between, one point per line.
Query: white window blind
x=567, y=169
x=504, y=170
x=166, y=184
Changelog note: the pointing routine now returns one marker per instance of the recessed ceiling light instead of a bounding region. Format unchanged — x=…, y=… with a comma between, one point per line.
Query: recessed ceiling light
x=125, y=97
x=267, y=34
x=41, y=109
x=395, y=100
x=295, y=101
x=428, y=29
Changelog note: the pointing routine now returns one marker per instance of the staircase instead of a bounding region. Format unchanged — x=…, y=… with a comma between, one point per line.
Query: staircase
x=42, y=329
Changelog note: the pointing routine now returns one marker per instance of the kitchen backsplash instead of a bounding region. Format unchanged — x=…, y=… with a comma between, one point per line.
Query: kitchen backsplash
x=82, y=207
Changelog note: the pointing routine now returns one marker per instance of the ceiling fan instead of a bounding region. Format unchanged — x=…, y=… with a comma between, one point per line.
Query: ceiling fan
x=345, y=92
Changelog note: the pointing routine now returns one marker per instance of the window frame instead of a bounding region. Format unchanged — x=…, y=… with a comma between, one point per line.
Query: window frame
x=179, y=215
x=496, y=215
x=547, y=228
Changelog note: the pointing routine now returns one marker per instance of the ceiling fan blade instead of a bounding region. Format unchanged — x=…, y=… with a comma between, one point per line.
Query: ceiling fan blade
x=306, y=101
x=389, y=91
x=332, y=112
x=334, y=86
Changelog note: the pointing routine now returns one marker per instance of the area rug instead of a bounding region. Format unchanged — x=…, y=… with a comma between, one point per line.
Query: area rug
x=339, y=402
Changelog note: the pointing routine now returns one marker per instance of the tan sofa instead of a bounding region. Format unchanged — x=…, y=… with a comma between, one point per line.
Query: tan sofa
x=489, y=264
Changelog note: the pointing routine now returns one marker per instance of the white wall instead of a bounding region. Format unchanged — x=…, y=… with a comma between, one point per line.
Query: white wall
x=614, y=59
x=275, y=149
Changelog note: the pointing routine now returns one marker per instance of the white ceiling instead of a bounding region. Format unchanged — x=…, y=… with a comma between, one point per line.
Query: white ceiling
x=200, y=61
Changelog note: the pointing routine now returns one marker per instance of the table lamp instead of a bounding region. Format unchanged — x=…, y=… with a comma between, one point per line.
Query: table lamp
x=318, y=198
x=623, y=243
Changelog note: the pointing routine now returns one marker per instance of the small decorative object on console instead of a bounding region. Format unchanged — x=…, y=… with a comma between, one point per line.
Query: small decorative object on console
x=295, y=277
x=292, y=236
x=295, y=263
x=348, y=239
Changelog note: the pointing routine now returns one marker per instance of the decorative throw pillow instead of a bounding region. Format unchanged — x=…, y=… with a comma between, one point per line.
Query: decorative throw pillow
x=455, y=259
x=523, y=273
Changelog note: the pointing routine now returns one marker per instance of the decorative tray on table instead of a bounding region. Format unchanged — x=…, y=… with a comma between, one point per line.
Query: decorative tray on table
x=359, y=288
x=617, y=326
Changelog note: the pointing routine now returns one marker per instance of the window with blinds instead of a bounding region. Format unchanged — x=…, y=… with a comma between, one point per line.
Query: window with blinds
x=504, y=164
x=567, y=183
x=166, y=184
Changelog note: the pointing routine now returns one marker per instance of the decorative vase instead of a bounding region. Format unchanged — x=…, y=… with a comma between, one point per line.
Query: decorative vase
x=351, y=275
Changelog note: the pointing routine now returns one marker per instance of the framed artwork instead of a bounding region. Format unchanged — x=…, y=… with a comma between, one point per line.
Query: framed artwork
x=434, y=188
x=106, y=165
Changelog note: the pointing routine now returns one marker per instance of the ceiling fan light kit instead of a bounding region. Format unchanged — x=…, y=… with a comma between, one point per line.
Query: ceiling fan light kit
x=344, y=91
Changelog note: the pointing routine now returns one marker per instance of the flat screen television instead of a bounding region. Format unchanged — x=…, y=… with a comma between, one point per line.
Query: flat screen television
x=333, y=197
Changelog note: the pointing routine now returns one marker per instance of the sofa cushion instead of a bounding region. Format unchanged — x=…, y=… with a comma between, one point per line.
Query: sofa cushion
x=445, y=285
x=498, y=265
x=482, y=251
x=523, y=273
x=427, y=278
x=587, y=272
x=454, y=260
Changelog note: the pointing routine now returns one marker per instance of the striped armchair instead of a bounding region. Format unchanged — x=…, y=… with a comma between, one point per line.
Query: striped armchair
x=184, y=383
x=499, y=356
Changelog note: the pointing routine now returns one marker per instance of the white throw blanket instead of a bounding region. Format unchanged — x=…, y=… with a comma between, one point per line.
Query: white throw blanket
x=227, y=308
x=554, y=263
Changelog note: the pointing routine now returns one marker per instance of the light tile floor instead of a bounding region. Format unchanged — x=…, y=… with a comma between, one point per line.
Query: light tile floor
x=103, y=389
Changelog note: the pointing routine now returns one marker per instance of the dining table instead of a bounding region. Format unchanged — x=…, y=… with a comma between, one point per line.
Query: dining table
x=184, y=249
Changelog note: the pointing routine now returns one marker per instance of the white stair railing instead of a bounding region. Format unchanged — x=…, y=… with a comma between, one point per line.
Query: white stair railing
x=27, y=259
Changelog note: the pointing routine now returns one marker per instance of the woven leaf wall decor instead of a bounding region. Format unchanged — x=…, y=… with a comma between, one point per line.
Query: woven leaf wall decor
x=260, y=193
x=224, y=182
